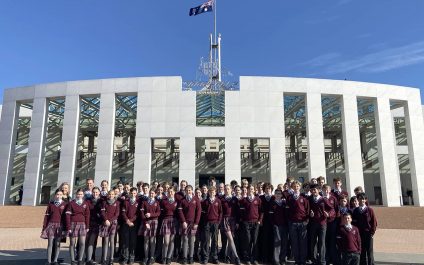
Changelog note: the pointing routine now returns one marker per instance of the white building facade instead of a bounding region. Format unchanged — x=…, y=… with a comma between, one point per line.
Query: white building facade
x=149, y=129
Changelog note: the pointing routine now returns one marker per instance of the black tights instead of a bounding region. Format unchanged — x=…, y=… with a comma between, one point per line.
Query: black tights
x=149, y=241
x=108, y=242
x=91, y=248
x=168, y=246
x=53, y=246
x=188, y=245
x=81, y=247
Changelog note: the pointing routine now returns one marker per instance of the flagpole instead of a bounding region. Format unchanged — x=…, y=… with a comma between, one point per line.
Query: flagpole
x=214, y=19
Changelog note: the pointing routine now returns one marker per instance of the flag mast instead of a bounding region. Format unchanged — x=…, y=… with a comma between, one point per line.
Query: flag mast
x=215, y=49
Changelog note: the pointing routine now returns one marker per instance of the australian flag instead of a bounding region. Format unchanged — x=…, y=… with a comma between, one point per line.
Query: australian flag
x=206, y=7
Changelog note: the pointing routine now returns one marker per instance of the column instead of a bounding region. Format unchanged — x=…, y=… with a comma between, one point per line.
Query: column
x=69, y=141
x=232, y=159
x=8, y=127
x=37, y=136
x=187, y=170
x=142, y=158
x=105, y=139
x=415, y=132
x=387, y=157
x=351, y=143
x=315, y=135
x=277, y=153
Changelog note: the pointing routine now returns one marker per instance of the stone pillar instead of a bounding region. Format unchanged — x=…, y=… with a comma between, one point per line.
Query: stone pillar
x=105, y=139
x=315, y=135
x=69, y=141
x=187, y=170
x=351, y=143
x=35, y=156
x=142, y=158
x=415, y=132
x=8, y=127
x=387, y=157
x=232, y=159
x=277, y=153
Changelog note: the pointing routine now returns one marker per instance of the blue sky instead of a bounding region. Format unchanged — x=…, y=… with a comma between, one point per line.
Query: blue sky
x=59, y=40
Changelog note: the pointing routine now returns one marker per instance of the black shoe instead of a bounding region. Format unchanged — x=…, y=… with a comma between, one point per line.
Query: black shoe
x=255, y=262
x=151, y=261
x=190, y=260
x=237, y=261
x=184, y=261
x=204, y=262
x=215, y=261
x=144, y=262
x=248, y=263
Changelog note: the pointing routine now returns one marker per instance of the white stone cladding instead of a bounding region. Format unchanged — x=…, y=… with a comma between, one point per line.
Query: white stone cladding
x=255, y=111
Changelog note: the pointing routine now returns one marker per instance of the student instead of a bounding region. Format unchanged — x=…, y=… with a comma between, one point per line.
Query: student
x=77, y=223
x=109, y=215
x=343, y=209
x=89, y=185
x=237, y=233
x=266, y=230
x=330, y=237
x=318, y=225
x=366, y=221
x=337, y=191
x=177, y=240
x=212, y=209
x=168, y=228
x=349, y=241
x=129, y=213
x=189, y=212
x=280, y=227
x=95, y=204
x=197, y=241
x=64, y=187
x=104, y=186
x=143, y=195
x=321, y=181
x=353, y=203
x=298, y=212
x=228, y=225
x=251, y=215
x=54, y=221
x=149, y=214
x=160, y=195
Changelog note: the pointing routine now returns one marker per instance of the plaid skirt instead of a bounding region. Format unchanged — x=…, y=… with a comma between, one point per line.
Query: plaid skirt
x=105, y=231
x=168, y=227
x=142, y=231
x=228, y=224
x=77, y=229
x=190, y=231
x=53, y=230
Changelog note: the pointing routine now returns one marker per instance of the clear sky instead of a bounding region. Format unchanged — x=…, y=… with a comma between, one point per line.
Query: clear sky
x=47, y=41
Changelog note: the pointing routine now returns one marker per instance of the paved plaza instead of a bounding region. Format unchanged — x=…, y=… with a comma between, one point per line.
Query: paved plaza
x=20, y=241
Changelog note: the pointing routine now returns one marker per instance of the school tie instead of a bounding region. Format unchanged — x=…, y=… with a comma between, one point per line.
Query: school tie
x=57, y=203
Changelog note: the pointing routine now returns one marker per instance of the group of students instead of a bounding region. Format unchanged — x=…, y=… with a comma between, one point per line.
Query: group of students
x=310, y=223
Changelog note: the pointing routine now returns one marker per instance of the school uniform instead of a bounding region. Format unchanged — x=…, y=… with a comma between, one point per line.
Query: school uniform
x=332, y=227
x=364, y=218
x=228, y=222
x=265, y=230
x=153, y=208
x=212, y=211
x=159, y=237
x=177, y=240
x=54, y=220
x=349, y=244
x=251, y=215
x=298, y=216
x=129, y=213
x=169, y=217
x=318, y=228
x=339, y=193
x=280, y=228
x=109, y=211
x=77, y=218
x=139, y=253
x=189, y=211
